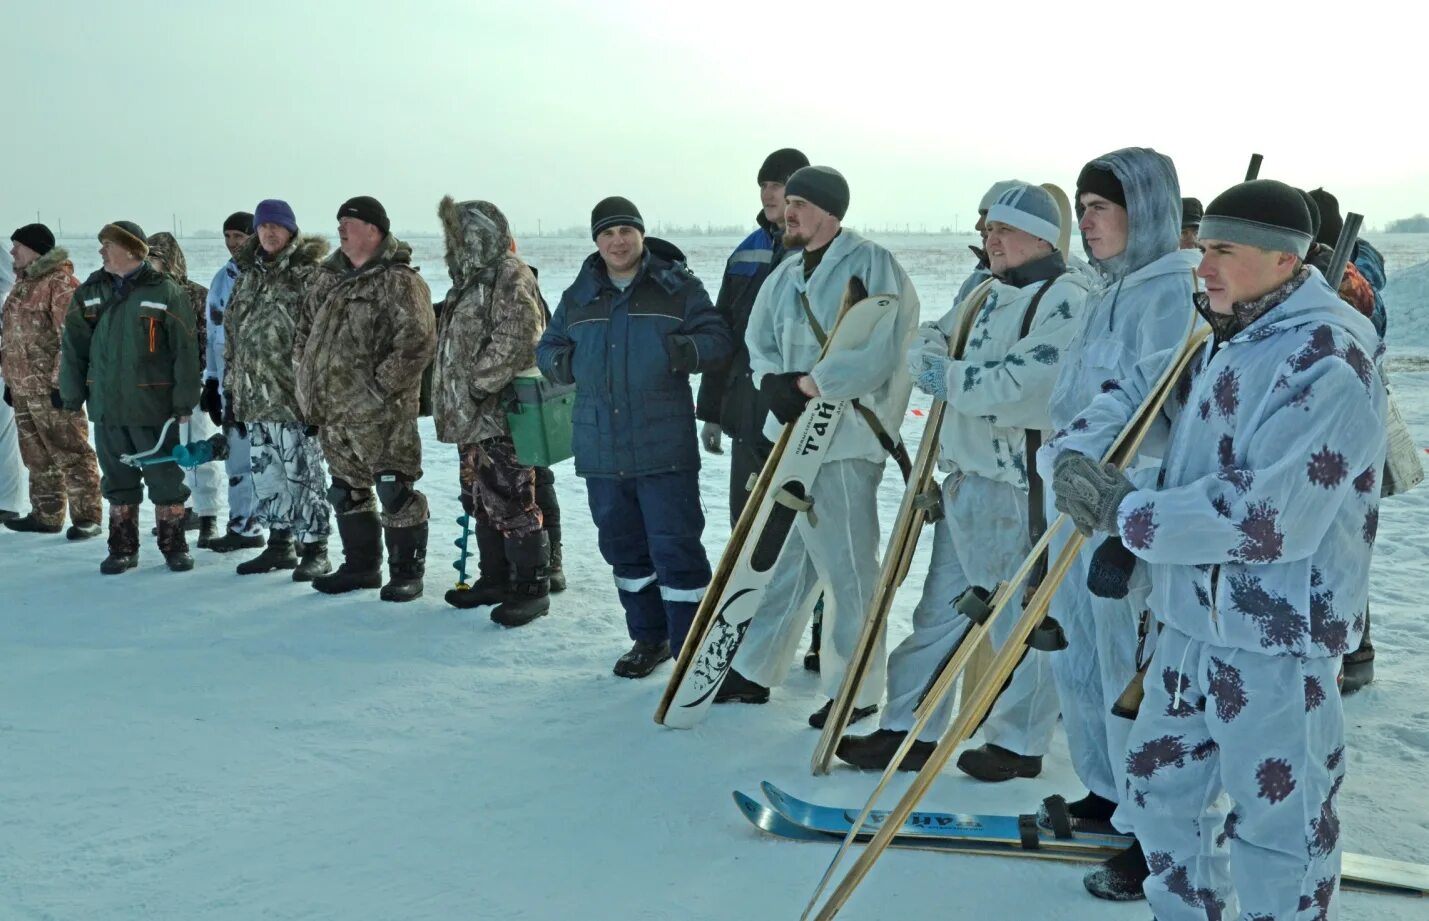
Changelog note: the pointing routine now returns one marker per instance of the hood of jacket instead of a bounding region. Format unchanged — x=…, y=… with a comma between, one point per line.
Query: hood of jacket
x=166, y=247
x=477, y=236
x=56, y=258
x=303, y=249
x=1153, y=209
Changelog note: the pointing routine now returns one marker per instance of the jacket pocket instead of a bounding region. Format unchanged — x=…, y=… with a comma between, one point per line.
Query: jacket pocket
x=153, y=316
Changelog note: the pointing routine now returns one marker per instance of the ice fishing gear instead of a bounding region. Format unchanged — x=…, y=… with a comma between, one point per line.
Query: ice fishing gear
x=461, y=543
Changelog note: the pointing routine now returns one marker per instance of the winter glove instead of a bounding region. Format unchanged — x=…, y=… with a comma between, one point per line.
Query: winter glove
x=933, y=379
x=786, y=400
x=55, y=399
x=230, y=420
x=709, y=437
x=1089, y=493
x=561, y=372
x=311, y=431
x=210, y=401
x=929, y=342
x=684, y=357
x=10, y=401
x=1109, y=575
x=213, y=448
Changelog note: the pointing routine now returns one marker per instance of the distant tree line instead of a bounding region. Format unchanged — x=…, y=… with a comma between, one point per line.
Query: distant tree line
x=1416, y=224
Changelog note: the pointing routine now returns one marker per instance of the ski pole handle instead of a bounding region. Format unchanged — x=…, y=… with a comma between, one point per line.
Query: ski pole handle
x=1345, y=245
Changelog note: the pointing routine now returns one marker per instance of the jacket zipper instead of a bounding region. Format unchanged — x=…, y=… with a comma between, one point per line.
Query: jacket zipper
x=1215, y=580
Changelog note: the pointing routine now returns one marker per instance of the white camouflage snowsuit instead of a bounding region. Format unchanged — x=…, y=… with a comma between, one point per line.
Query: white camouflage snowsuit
x=995, y=393
x=840, y=549
x=1136, y=320
x=1259, y=541
x=242, y=500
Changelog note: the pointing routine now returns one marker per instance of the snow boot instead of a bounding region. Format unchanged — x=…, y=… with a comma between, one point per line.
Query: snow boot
x=82, y=530
x=737, y=689
x=994, y=764
x=172, y=543
x=811, y=658
x=1357, y=668
x=406, y=562
x=1090, y=813
x=314, y=561
x=873, y=751
x=277, y=555
x=550, y=508
x=7, y=515
x=642, y=659
x=190, y=523
x=235, y=541
x=821, y=715
x=1120, y=878
x=557, y=575
x=123, y=540
x=29, y=524
x=493, y=581
x=529, y=590
x=361, y=534
x=207, y=530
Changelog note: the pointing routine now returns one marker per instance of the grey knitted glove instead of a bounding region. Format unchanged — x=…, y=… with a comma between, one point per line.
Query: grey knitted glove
x=1088, y=492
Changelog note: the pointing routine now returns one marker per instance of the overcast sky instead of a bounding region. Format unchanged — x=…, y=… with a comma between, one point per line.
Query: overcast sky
x=145, y=108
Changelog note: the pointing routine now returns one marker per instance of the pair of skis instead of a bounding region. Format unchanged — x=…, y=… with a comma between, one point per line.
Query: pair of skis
x=790, y=818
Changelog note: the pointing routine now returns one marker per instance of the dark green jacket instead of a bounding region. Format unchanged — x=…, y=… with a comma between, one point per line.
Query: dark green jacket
x=133, y=357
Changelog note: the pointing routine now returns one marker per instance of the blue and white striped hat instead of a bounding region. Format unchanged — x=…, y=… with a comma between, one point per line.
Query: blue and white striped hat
x=1029, y=208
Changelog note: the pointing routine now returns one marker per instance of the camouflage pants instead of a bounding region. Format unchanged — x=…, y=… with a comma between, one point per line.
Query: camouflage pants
x=122, y=484
x=289, y=479
x=498, y=489
x=54, y=444
x=357, y=453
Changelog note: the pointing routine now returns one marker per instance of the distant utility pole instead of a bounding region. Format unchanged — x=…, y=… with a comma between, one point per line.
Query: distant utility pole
x=538, y=227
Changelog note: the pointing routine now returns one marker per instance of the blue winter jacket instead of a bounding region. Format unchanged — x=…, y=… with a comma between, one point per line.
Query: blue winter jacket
x=633, y=415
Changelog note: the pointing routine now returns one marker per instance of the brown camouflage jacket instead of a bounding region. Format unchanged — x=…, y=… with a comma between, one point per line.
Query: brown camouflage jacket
x=164, y=247
x=258, y=326
x=363, y=339
x=488, y=327
x=33, y=322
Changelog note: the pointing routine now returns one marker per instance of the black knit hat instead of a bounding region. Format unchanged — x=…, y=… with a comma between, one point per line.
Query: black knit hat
x=823, y=186
x=1330, y=221
x=781, y=164
x=1099, y=181
x=240, y=221
x=1314, y=210
x=615, y=212
x=126, y=234
x=366, y=208
x=1190, y=212
x=35, y=236
x=1263, y=213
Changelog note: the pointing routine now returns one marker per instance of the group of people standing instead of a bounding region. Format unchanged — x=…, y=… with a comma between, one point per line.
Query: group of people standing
x=1234, y=553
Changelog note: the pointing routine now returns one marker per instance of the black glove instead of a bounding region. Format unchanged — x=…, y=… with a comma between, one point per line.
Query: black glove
x=9, y=401
x=55, y=400
x=786, y=400
x=1109, y=575
x=684, y=357
x=230, y=420
x=311, y=431
x=211, y=402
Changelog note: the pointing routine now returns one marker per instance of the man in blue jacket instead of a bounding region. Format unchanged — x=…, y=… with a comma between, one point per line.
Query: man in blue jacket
x=628, y=333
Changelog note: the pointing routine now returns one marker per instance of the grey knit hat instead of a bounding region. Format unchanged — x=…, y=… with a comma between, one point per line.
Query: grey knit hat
x=991, y=195
x=1262, y=213
x=823, y=186
x=1031, y=209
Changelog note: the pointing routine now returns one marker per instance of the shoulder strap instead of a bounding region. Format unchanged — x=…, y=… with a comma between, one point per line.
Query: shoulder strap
x=1036, y=510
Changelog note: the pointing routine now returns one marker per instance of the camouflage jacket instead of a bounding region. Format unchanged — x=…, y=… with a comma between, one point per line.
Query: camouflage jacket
x=34, y=318
x=363, y=339
x=129, y=349
x=258, y=327
x=489, y=324
x=165, y=247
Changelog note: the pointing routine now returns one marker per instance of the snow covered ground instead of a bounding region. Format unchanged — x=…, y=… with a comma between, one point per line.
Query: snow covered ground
x=222, y=747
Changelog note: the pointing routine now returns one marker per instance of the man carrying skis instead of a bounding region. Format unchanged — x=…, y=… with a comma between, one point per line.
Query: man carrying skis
x=995, y=392
x=838, y=548
x=1136, y=321
x=486, y=335
x=1258, y=533
x=629, y=332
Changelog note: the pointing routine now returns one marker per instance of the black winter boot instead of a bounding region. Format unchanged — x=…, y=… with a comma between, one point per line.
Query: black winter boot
x=207, y=530
x=172, y=542
x=406, y=561
x=123, y=540
x=314, y=561
x=737, y=689
x=873, y=751
x=29, y=524
x=361, y=534
x=82, y=530
x=1120, y=878
x=492, y=584
x=819, y=717
x=551, y=520
x=994, y=764
x=558, y=575
x=1358, y=666
x=1091, y=813
x=528, y=593
x=277, y=555
x=235, y=541
x=642, y=659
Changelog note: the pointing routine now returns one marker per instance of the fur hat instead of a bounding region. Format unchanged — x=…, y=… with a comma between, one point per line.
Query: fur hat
x=126, y=234
x=35, y=236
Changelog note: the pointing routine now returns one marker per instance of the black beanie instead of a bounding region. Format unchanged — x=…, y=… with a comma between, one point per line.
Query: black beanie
x=823, y=186
x=240, y=221
x=1313, y=208
x=1100, y=181
x=615, y=212
x=1330, y=221
x=1190, y=212
x=1263, y=213
x=366, y=208
x=36, y=236
x=782, y=164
